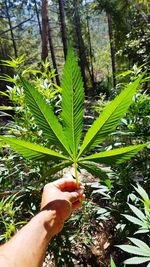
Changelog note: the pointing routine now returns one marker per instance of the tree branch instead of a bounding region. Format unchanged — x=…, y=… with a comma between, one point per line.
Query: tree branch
x=16, y=26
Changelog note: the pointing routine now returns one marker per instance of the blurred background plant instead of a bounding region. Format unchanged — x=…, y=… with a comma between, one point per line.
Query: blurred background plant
x=8, y=217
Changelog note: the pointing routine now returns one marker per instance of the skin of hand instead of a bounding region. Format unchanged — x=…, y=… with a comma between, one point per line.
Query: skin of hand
x=62, y=196
x=28, y=247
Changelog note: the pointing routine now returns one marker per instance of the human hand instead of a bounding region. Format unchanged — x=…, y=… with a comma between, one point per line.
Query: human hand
x=62, y=196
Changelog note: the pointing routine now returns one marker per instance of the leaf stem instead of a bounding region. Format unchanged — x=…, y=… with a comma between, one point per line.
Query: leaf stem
x=76, y=173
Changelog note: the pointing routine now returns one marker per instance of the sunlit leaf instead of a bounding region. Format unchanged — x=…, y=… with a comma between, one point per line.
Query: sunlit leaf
x=72, y=102
x=137, y=260
x=137, y=212
x=44, y=116
x=134, y=250
x=109, y=119
x=32, y=151
x=115, y=156
x=140, y=244
x=134, y=220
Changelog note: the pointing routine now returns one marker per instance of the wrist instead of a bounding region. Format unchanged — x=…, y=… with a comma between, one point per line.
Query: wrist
x=51, y=222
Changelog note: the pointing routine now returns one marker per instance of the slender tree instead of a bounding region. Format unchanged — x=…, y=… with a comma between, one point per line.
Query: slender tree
x=81, y=49
x=112, y=48
x=45, y=28
x=38, y=17
x=63, y=26
x=53, y=53
x=10, y=27
x=91, y=69
x=115, y=20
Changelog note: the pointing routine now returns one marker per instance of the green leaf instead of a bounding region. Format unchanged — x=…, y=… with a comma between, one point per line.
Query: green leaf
x=95, y=170
x=142, y=230
x=141, y=192
x=140, y=244
x=45, y=117
x=108, y=120
x=56, y=168
x=134, y=250
x=137, y=260
x=137, y=212
x=32, y=151
x=7, y=108
x=141, y=249
x=3, y=93
x=72, y=102
x=112, y=263
x=115, y=156
x=134, y=220
x=1, y=144
x=123, y=74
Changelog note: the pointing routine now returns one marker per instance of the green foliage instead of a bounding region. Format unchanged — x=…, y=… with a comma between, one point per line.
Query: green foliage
x=43, y=80
x=141, y=249
x=136, y=122
x=66, y=135
x=16, y=172
x=23, y=123
x=136, y=45
x=8, y=217
x=142, y=219
x=110, y=118
x=72, y=103
x=112, y=263
x=32, y=151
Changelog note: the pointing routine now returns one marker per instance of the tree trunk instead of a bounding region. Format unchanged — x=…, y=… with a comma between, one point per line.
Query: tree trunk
x=53, y=54
x=38, y=17
x=63, y=26
x=91, y=70
x=80, y=43
x=11, y=31
x=112, y=49
x=44, y=29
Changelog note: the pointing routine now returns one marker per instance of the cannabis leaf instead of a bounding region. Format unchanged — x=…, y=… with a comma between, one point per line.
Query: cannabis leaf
x=140, y=218
x=141, y=249
x=72, y=102
x=32, y=151
x=66, y=134
x=45, y=117
x=107, y=122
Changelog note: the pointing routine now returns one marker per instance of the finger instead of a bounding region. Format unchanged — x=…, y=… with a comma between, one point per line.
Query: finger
x=76, y=196
x=68, y=184
x=78, y=203
x=73, y=197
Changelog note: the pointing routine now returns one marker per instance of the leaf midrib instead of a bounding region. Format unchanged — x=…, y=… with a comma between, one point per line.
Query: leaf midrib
x=74, y=152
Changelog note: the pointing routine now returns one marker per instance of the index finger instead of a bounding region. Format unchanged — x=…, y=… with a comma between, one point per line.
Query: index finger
x=67, y=183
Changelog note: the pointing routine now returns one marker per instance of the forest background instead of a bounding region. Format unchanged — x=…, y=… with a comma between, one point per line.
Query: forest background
x=111, y=40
